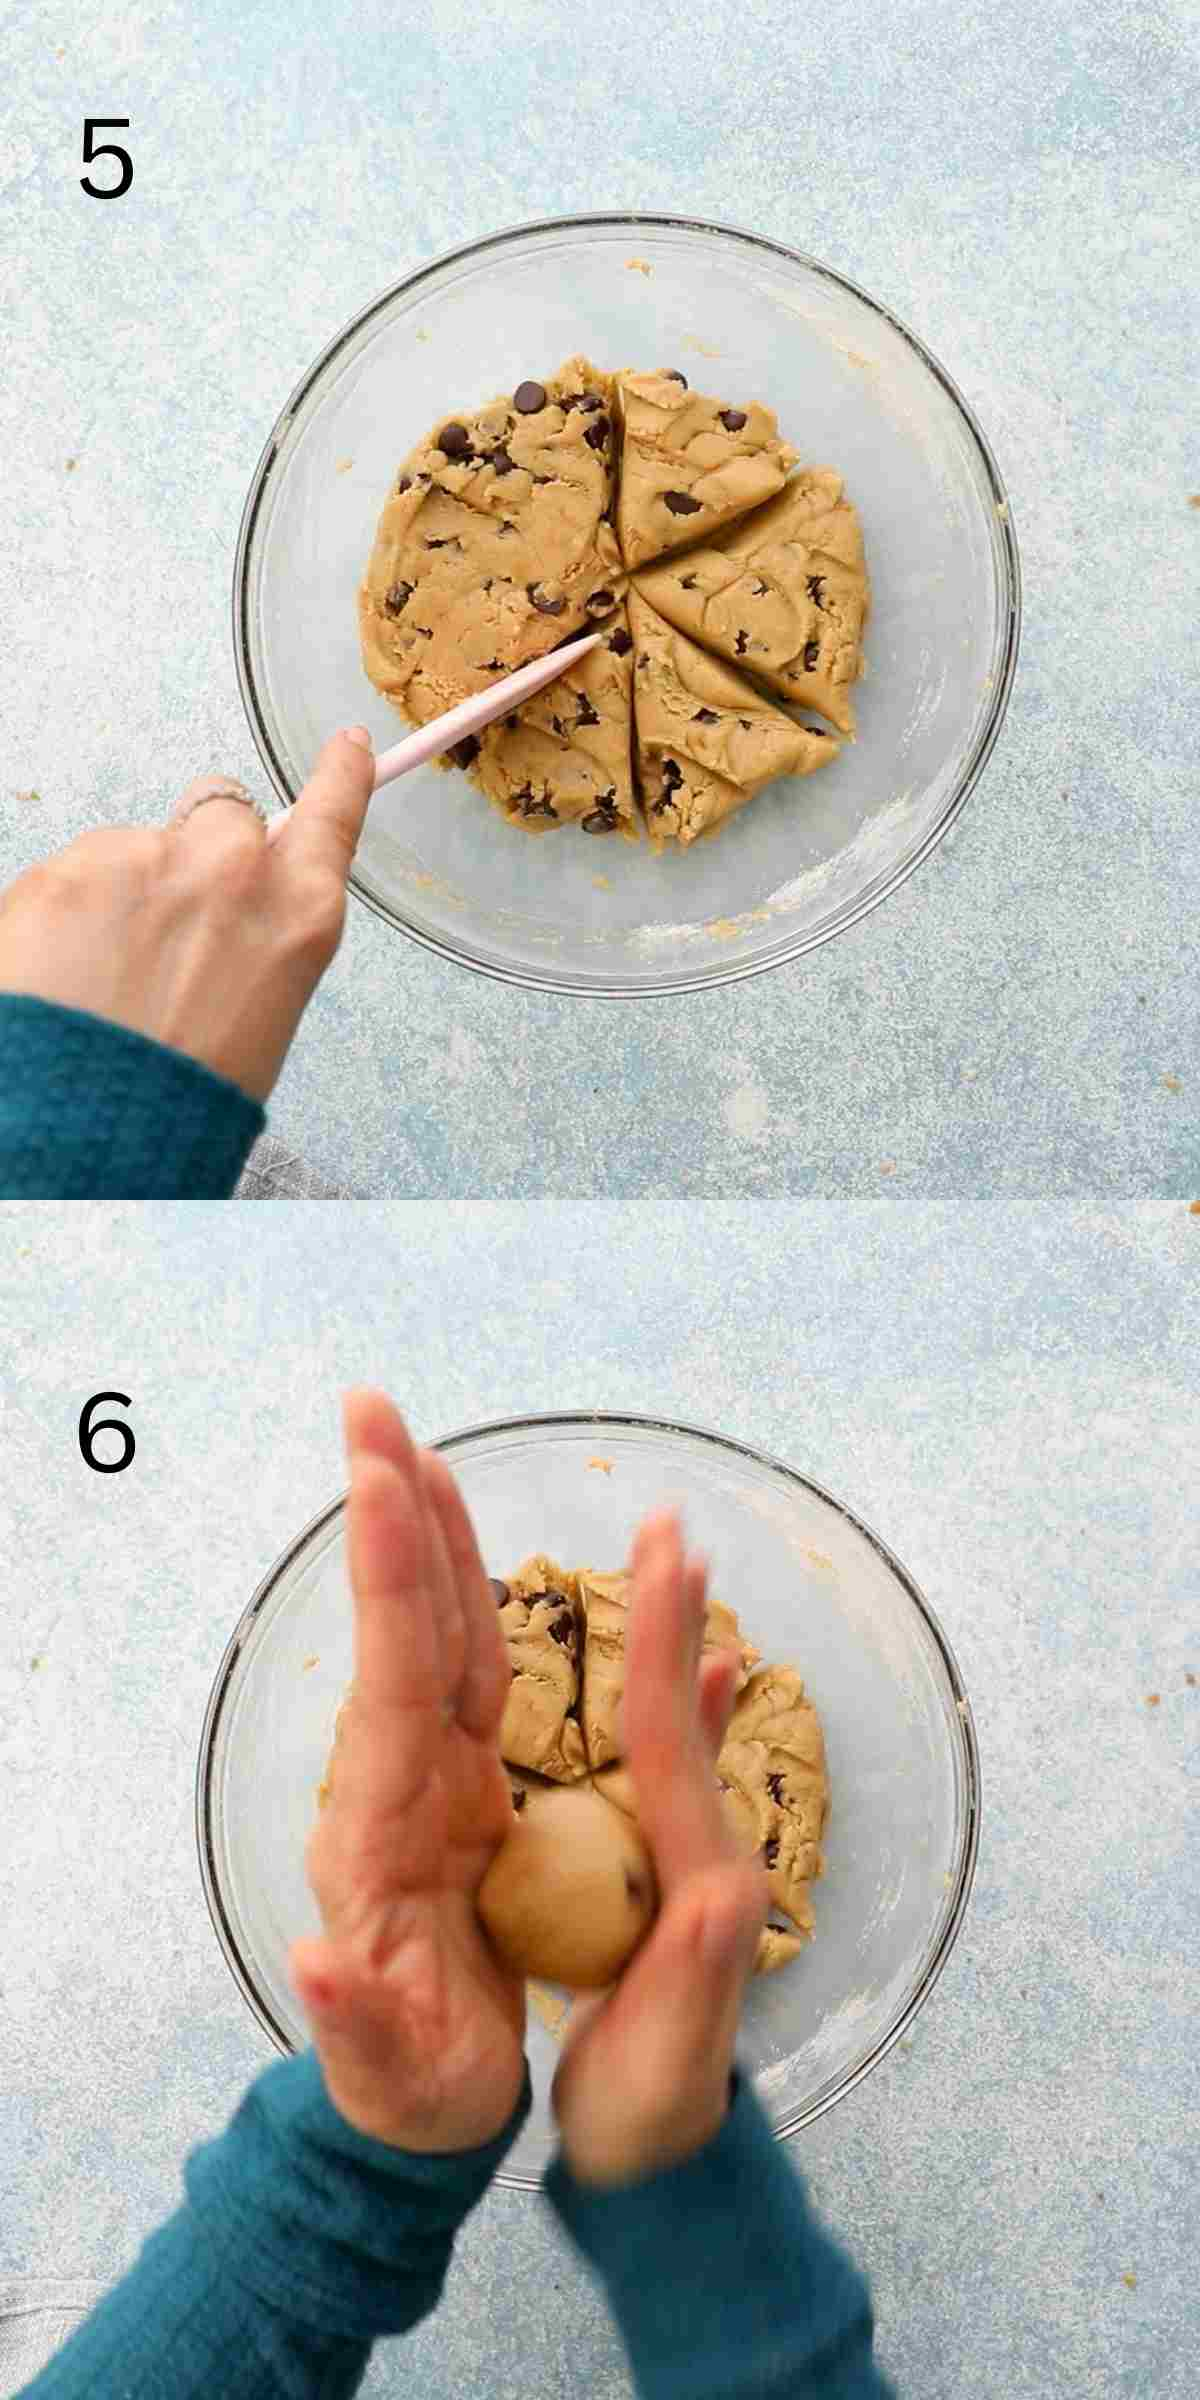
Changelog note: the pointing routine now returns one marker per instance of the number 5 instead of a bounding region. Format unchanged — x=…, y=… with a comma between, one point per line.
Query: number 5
x=93, y=150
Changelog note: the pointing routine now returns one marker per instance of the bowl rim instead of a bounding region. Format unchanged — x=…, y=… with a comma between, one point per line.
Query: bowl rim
x=1003, y=668
x=598, y=1420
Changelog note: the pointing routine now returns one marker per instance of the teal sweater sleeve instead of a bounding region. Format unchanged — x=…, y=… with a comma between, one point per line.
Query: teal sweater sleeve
x=721, y=2279
x=89, y=1111
x=299, y=2241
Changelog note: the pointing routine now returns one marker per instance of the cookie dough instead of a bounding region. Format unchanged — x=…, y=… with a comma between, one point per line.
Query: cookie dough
x=778, y=1942
x=564, y=756
x=689, y=463
x=495, y=543
x=565, y=1912
x=539, y=1615
x=773, y=1779
x=571, y=1892
x=706, y=741
x=777, y=1947
x=605, y=1605
x=784, y=591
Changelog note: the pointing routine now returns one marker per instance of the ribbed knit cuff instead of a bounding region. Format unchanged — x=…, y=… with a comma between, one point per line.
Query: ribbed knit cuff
x=90, y=1111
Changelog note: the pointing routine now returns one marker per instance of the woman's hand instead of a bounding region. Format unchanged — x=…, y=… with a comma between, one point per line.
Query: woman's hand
x=644, y=2081
x=203, y=933
x=419, y=2029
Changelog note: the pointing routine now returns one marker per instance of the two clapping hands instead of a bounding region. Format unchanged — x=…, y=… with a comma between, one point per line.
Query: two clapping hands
x=418, y=2026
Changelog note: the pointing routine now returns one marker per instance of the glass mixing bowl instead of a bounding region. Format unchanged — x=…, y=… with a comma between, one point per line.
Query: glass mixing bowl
x=813, y=1587
x=852, y=388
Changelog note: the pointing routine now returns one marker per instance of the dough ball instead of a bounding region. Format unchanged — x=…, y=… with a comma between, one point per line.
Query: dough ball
x=571, y=1893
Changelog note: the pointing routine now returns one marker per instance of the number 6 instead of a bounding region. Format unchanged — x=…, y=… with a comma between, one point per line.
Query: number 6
x=88, y=1432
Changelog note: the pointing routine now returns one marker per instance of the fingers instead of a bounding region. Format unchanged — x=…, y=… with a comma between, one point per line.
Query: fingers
x=397, y=1658
x=487, y=1671
x=668, y=1744
x=715, y=1698
x=217, y=818
x=323, y=828
x=373, y=1424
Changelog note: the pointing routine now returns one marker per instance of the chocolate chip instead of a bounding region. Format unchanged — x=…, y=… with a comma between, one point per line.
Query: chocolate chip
x=557, y=726
x=542, y=601
x=733, y=419
x=597, y=433
x=643, y=658
x=529, y=397
x=673, y=376
x=588, y=402
x=681, y=504
x=585, y=714
x=398, y=595
x=770, y=1853
x=744, y=722
x=816, y=587
x=600, y=601
x=620, y=641
x=538, y=808
x=819, y=730
x=500, y=1591
x=775, y=1788
x=599, y=820
x=500, y=460
x=562, y=1629
x=812, y=653
x=705, y=716
x=405, y=484
x=463, y=752
x=741, y=641
x=672, y=775
x=454, y=441
x=759, y=589
x=687, y=583
x=442, y=541
x=519, y=1797
x=513, y=719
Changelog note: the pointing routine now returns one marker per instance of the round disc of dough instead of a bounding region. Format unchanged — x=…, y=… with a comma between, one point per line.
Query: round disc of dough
x=571, y=1893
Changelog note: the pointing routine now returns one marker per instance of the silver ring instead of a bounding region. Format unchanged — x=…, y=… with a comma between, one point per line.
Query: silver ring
x=224, y=791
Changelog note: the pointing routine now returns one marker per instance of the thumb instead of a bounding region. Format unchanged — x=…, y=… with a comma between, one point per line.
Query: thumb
x=676, y=2008
x=353, y=2034
x=709, y=1941
x=328, y=818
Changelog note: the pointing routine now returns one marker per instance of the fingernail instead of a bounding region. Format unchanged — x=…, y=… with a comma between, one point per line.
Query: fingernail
x=358, y=735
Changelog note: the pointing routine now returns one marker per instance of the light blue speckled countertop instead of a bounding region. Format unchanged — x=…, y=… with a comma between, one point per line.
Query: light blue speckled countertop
x=1020, y=189
x=1024, y=1434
